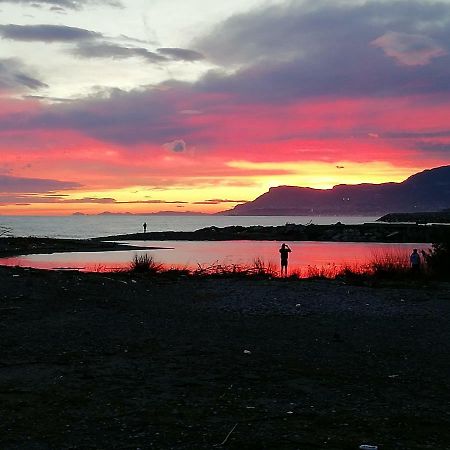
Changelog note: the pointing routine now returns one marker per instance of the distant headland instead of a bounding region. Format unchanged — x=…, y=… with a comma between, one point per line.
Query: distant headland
x=427, y=191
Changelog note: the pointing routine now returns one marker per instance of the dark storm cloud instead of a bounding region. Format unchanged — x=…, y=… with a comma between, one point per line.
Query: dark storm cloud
x=46, y=33
x=14, y=76
x=316, y=48
x=11, y=184
x=65, y=4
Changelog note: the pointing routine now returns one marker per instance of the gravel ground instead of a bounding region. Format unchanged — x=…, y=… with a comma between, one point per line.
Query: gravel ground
x=101, y=361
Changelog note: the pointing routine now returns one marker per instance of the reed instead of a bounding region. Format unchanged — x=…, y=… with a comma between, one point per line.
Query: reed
x=392, y=263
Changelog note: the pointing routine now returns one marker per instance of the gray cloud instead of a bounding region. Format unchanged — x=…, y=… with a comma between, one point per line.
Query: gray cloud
x=318, y=47
x=280, y=54
x=28, y=199
x=100, y=200
x=109, y=200
x=65, y=4
x=11, y=184
x=176, y=146
x=440, y=148
x=90, y=44
x=218, y=201
x=14, y=76
x=109, y=50
x=46, y=33
x=181, y=54
x=149, y=116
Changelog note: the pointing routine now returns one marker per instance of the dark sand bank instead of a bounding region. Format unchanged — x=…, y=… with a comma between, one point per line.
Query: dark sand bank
x=369, y=232
x=100, y=361
x=14, y=246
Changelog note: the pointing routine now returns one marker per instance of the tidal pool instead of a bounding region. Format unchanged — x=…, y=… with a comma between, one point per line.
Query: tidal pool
x=192, y=254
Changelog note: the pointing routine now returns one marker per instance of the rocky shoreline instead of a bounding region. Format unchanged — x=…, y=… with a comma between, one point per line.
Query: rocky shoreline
x=419, y=218
x=368, y=232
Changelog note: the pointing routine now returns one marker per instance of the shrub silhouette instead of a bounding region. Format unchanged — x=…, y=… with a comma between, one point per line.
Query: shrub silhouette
x=438, y=260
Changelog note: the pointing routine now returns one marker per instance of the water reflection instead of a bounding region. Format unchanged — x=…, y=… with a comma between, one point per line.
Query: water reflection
x=190, y=254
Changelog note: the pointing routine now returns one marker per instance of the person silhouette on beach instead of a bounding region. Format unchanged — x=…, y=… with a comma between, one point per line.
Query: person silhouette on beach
x=414, y=259
x=284, y=255
x=144, y=226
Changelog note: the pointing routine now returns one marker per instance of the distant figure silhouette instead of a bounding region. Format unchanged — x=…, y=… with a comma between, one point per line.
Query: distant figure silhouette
x=415, y=261
x=284, y=254
x=144, y=226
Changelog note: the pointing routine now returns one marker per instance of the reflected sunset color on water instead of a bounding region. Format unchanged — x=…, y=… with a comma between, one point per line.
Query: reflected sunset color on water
x=191, y=255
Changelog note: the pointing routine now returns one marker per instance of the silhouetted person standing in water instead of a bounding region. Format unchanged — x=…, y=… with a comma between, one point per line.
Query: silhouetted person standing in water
x=284, y=254
x=144, y=226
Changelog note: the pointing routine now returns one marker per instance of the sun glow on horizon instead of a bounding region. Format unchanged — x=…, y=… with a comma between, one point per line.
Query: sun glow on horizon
x=200, y=195
x=321, y=175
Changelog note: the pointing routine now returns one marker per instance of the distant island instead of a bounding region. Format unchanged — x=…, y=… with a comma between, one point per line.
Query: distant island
x=427, y=191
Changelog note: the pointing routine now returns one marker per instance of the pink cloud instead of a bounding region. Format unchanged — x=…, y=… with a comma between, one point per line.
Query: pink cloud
x=409, y=49
x=325, y=129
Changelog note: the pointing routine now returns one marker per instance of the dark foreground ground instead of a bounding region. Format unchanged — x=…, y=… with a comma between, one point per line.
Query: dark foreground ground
x=104, y=361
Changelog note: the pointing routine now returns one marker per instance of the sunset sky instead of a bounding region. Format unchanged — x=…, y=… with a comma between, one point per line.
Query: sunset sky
x=197, y=105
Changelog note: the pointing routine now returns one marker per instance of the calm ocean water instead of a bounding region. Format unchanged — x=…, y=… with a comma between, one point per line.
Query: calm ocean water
x=190, y=254
x=79, y=227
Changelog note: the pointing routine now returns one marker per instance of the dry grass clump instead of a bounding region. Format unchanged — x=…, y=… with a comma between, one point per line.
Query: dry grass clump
x=144, y=264
x=392, y=263
x=385, y=265
x=328, y=271
x=258, y=268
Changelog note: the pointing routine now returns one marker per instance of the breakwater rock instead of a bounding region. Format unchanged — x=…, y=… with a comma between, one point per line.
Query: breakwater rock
x=419, y=217
x=369, y=232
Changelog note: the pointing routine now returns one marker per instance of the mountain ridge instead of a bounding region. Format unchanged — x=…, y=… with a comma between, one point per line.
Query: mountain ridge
x=428, y=190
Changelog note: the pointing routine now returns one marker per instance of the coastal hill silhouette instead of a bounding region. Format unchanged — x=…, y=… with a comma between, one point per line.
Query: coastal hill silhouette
x=425, y=191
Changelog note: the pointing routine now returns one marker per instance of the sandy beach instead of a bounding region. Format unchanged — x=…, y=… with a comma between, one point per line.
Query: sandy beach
x=124, y=361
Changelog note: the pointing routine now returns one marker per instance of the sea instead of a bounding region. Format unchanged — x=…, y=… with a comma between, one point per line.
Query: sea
x=306, y=256
x=86, y=226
